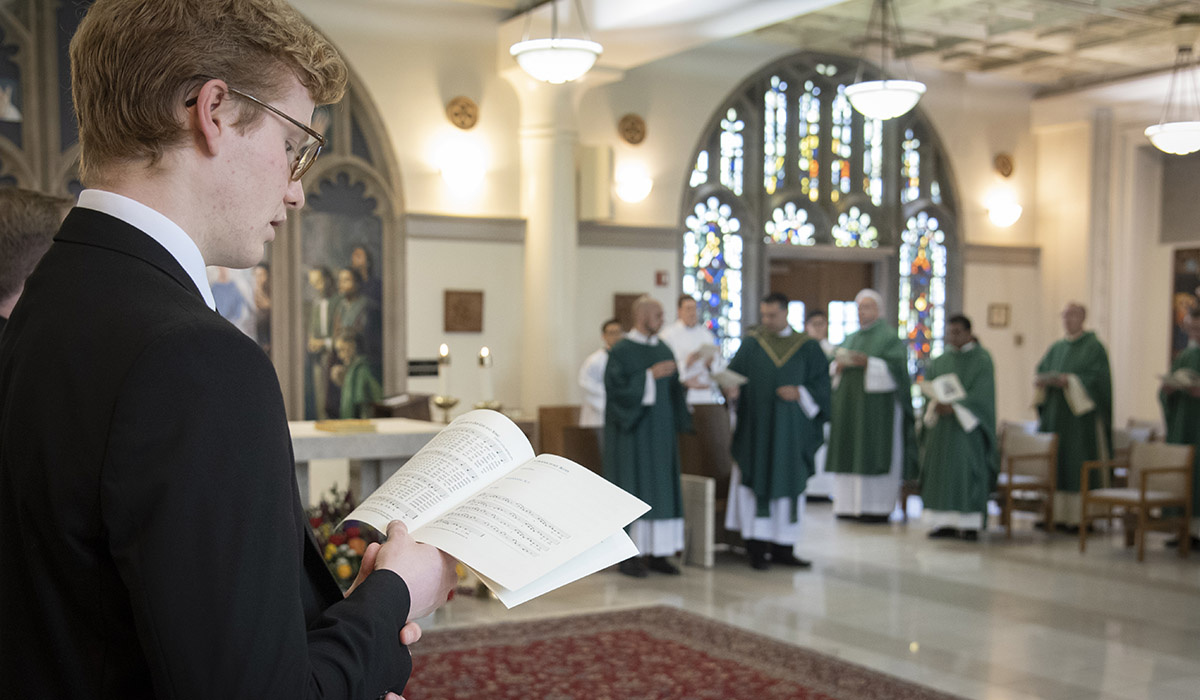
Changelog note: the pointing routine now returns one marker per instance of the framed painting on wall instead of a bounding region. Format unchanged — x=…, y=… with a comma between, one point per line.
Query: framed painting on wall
x=1185, y=295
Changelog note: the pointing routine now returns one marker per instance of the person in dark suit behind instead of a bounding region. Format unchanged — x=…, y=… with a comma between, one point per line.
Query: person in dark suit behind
x=28, y=221
x=155, y=543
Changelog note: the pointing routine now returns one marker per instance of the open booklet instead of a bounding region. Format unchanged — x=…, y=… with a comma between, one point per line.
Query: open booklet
x=944, y=388
x=526, y=525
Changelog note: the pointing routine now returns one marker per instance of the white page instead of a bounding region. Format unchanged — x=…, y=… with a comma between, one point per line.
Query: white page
x=615, y=548
x=476, y=449
x=537, y=517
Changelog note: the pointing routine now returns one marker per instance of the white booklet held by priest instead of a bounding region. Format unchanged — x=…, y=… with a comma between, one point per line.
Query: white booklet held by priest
x=526, y=525
x=945, y=388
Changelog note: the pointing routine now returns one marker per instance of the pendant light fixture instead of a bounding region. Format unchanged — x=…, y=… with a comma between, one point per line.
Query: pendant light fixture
x=1178, y=130
x=884, y=98
x=556, y=59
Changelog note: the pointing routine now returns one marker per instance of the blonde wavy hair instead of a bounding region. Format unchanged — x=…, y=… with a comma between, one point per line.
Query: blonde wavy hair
x=133, y=63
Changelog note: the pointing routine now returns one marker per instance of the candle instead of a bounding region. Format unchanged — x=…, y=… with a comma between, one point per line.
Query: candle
x=444, y=370
x=485, y=374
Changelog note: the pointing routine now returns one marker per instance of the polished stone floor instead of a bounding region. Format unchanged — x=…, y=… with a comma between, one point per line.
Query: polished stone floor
x=995, y=620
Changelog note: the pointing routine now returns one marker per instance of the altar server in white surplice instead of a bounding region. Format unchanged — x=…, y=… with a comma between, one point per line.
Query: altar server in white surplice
x=696, y=353
x=591, y=377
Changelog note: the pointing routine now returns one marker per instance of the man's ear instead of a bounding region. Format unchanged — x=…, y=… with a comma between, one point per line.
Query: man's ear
x=213, y=115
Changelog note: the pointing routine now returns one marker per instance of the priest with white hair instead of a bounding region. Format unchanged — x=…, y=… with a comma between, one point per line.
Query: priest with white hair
x=872, y=443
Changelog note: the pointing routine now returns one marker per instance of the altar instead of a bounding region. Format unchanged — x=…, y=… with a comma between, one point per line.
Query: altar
x=379, y=453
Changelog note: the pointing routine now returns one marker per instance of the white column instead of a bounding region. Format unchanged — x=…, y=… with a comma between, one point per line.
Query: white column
x=549, y=136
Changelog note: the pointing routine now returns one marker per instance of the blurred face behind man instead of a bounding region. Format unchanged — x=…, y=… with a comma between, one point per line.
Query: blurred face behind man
x=688, y=312
x=957, y=335
x=773, y=316
x=1073, y=317
x=612, y=333
x=868, y=311
x=817, y=327
x=649, y=317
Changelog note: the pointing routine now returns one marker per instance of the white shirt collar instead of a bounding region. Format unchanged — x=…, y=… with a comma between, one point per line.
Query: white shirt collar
x=638, y=337
x=165, y=232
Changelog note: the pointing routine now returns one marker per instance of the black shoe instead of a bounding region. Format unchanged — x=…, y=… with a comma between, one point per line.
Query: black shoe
x=633, y=566
x=757, y=549
x=970, y=535
x=944, y=533
x=783, y=555
x=1174, y=542
x=1039, y=525
x=846, y=516
x=873, y=518
x=661, y=565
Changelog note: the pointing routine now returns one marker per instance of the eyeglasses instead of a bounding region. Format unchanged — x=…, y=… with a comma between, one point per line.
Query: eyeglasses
x=306, y=155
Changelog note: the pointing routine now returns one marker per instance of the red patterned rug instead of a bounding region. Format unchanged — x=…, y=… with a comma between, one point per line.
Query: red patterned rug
x=655, y=653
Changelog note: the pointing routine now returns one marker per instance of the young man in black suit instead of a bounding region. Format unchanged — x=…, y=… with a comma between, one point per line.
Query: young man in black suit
x=155, y=544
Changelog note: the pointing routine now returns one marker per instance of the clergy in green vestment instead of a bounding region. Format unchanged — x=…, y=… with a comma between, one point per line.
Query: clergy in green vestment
x=644, y=410
x=1074, y=401
x=781, y=411
x=360, y=389
x=872, y=443
x=959, y=456
x=1180, y=398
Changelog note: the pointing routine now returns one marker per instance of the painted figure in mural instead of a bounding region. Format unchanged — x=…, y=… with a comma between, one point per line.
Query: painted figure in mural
x=959, y=456
x=262, y=305
x=28, y=221
x=644, y=411
x=1181, y=409
x=1074, y=401
x=322, y=398
x=872, y=442
x=781, y=412
x=155, y=539
x=372, y=289
x=360, y=390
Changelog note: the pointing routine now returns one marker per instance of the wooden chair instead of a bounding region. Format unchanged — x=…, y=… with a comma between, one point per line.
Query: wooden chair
x=550, y=423
x=705, y=452
x=1122, y=441
x=1160, y=481
x=1155, y=428
x=1028, y=475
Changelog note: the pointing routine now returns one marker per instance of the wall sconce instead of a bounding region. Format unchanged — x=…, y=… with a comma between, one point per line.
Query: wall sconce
x=1003, y=210
x=633, y=183
x=460, y=163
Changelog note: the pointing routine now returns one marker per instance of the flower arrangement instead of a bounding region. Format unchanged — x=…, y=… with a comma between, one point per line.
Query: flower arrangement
x=343, y=550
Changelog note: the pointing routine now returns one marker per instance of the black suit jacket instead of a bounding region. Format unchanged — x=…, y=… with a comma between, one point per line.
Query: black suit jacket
x=152, y=540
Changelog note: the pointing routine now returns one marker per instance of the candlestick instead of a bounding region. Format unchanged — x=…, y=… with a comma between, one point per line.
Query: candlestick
x=485, y=375
x=444, y=370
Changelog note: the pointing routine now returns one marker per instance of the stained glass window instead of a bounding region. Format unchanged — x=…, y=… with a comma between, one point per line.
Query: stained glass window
x=841, y=136
x=700, y=171
x=873, y=160
x=854, y=229
x=732, y=151
x=843, y=320
x=712, y=262
x=921, y=319
x=774, y=134
x=809, y=133
x=910, y=168
x=790, y=224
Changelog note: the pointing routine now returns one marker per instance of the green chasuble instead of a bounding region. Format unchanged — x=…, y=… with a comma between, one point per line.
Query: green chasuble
x=860, y=437
x=1182, y=414
x=959, y=468
x=1086, y=358
x=775, y=442
x=360, y=390
x=641, y=450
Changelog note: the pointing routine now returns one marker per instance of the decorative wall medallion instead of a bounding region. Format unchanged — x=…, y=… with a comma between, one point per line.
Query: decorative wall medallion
x=462, y=112
x=632, y=128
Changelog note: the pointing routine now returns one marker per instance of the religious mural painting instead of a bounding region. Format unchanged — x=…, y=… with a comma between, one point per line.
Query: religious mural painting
x=830, y=179
x=1185, y=295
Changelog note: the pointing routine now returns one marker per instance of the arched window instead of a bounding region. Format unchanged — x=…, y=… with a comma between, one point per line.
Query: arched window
x=786, y=163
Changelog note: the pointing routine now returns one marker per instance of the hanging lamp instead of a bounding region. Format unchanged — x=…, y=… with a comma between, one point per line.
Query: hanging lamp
x=884, y=98
x=1178, y=130
x=556, y=59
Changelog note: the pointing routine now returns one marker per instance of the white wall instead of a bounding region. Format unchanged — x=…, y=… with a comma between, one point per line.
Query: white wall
x=1016, y=349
